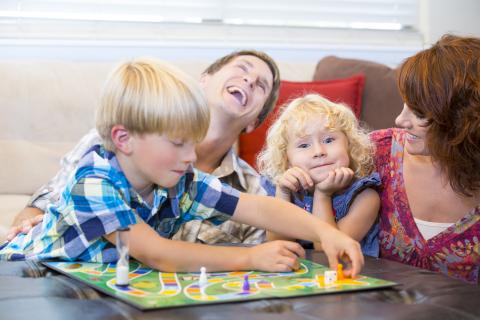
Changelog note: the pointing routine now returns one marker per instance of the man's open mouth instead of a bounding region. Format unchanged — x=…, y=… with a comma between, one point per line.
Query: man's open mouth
x=238, y=94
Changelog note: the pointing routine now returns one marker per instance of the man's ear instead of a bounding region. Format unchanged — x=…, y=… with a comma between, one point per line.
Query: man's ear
x=122, y=139
x=252, y=126
x=203, y=79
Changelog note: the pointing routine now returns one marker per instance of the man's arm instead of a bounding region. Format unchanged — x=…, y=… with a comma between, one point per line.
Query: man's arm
x=50, y=192
x=24, y=221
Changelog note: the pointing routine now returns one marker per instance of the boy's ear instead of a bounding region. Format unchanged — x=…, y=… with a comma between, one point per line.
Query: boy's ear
x=121, y=138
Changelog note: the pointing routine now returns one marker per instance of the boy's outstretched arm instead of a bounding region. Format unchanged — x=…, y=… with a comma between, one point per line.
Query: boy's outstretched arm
x=285, y=218
x=179, y=256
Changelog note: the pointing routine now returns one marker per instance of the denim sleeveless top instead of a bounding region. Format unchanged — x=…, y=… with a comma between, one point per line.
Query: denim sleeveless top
x=341, y=204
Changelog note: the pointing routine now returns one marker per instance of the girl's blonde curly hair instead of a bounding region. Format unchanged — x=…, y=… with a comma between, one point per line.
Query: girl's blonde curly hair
x=272, y=160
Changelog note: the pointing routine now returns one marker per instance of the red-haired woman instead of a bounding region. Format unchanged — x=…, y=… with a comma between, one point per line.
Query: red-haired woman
x=430, y=166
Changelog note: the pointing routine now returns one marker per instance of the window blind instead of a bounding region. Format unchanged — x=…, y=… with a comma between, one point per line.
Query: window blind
x=343, y=14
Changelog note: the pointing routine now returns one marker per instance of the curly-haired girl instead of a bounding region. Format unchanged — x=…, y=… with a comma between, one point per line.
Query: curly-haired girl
x=318, y=157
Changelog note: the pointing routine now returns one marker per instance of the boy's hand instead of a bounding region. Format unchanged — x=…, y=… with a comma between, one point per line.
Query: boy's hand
x=338, y=246
x=293, y=180
x=336, y=180
x=276, y=256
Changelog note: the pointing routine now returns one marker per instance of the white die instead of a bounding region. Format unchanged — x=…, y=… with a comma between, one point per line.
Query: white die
x=330, y=277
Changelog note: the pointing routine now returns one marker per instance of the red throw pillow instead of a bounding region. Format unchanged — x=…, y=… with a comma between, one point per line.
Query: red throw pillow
x=348, y=91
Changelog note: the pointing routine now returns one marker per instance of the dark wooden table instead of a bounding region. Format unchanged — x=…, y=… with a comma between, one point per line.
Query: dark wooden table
x=30, y=291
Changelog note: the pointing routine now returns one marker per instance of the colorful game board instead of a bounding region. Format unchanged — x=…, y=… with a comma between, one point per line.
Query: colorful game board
x=151, y=289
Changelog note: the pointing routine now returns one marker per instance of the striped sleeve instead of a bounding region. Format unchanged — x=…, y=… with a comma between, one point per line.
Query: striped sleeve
x=210, y=199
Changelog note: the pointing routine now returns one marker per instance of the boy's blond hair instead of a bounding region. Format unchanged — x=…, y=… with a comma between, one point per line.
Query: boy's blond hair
x=272, y=161
x=150, y=96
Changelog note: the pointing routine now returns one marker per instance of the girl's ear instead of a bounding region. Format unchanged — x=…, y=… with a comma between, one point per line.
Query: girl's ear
x=122, y=139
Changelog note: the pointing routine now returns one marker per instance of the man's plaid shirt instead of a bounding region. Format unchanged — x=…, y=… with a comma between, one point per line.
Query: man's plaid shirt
x=99, y=200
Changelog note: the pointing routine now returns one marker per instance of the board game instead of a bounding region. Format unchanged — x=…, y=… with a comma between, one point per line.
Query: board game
x=151, y=289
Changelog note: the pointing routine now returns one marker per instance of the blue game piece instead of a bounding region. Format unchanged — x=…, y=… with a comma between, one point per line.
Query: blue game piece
x=246, y=285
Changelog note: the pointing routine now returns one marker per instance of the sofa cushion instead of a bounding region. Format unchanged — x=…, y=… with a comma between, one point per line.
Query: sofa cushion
x=347, y=91
x=29, y=165
x=381, y=99
x=46, y=107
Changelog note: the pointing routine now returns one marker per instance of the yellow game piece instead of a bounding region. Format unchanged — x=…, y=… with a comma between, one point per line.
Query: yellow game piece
x=320, y=281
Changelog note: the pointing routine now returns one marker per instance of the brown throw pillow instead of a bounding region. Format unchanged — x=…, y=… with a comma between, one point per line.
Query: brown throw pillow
x=381, y=99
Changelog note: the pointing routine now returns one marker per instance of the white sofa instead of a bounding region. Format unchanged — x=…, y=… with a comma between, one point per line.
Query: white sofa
x=46, y=107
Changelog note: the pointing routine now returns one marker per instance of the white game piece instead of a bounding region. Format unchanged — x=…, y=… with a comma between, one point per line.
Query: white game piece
x=330, y=277
x=202, y=280
x=122, y=262
x=122, y=275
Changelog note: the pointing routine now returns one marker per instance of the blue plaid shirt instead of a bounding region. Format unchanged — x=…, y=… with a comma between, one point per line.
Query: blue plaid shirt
x=99, y=200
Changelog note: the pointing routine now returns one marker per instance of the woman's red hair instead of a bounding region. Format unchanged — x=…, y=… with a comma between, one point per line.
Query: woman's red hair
x=442, y=85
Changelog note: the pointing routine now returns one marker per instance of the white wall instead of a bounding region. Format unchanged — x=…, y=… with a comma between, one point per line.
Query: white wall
x=438, y=17
x=390, y=54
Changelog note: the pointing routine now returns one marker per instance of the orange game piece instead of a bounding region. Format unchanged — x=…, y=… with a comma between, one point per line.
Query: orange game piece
x=340, y=272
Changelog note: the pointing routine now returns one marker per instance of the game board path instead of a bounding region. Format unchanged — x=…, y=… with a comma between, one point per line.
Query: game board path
x=171, y=286
x=194, y=292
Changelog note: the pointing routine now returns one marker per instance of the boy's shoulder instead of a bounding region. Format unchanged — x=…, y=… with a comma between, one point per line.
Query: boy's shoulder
x=99, y=163
x=196, y=182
